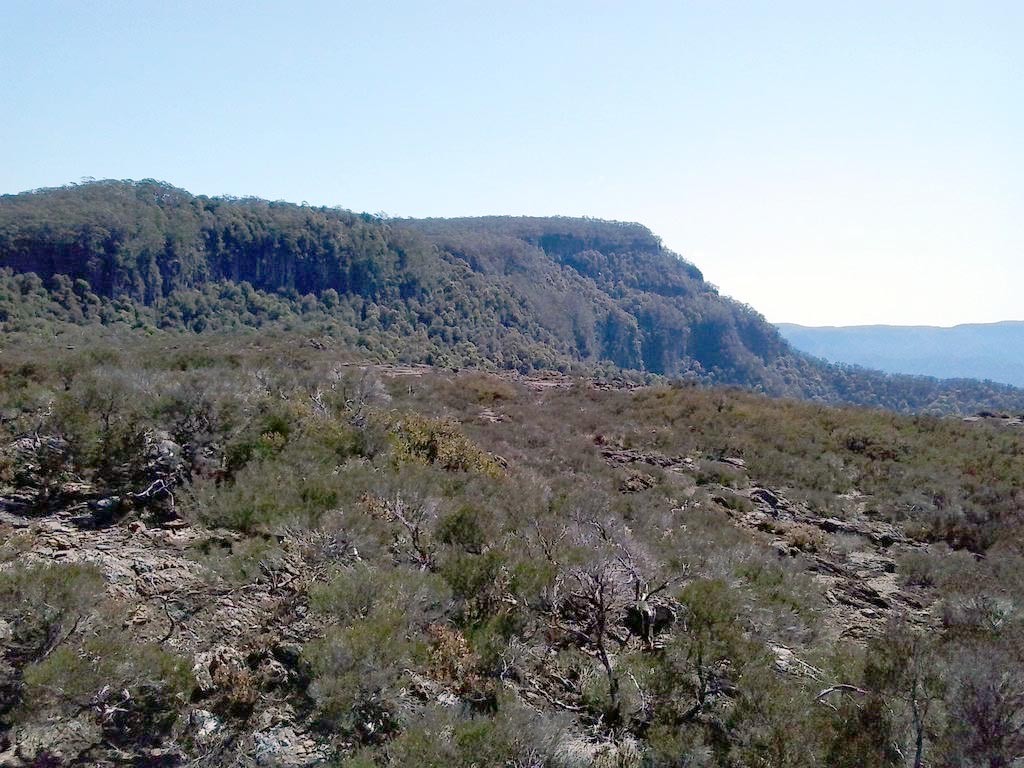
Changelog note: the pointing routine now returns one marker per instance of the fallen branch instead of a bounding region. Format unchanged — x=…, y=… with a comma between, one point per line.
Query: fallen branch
x=171, y=624
x=536, y=689
x=841, y=688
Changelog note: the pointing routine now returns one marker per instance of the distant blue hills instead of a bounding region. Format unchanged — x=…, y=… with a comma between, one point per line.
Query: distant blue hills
x=993, y=351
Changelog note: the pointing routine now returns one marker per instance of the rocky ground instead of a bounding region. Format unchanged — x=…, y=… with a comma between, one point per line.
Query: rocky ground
x=854, y=559
x=244, y=640
x=242, y=619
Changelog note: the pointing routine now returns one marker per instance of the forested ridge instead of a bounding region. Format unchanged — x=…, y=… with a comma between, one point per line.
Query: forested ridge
x=494, y=292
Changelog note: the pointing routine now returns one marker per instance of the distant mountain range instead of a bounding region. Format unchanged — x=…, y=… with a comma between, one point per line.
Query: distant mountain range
x=993, y=351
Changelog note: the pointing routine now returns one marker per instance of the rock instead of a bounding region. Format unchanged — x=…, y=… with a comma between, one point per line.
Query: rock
x=765, y=496
x=77, y=489
x=864, y=595
x=783, y=549
x=160, y=448
x=871, y=562
x=289, y=654
x=646, y=619
x=489, y=416
x=162, y=756
x=35, y=445
x=448, y=699
x=19, y=501
x=833, y=525
x=45, y=746
x=789, y=663
x=204, y=725
x=107, y=508
x=284, y=747
x=272, y=674
x=211, y=668
x=636, y=482
x=615, y=456
x=201, y=674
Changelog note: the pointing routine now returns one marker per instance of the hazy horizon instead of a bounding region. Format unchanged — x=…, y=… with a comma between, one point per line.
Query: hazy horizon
x=827, y=165
x=890, y=325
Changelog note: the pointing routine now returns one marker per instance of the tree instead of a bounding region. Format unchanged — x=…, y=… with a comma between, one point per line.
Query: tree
x=903, y=670
x=986, y=708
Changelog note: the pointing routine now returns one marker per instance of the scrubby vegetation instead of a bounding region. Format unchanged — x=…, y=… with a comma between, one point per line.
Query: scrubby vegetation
x=229, y=548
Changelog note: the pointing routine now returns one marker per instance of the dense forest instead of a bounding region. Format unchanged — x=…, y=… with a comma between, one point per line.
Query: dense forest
x=502, y=293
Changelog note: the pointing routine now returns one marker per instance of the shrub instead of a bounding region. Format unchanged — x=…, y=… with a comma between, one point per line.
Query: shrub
x=136, y=690
x=435, y=441
x=720, y=473
x=441, y=738
x=734, y=501
x=45, y=603
x=239, y=562
x=462, y=528
x=357, y=666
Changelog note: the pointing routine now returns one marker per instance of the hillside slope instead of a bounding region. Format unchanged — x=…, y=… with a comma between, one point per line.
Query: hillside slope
x=992, y=351
x=507, y=293
x=241, y=551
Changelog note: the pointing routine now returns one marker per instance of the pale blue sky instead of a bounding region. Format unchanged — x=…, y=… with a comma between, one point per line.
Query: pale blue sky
x=826, y=162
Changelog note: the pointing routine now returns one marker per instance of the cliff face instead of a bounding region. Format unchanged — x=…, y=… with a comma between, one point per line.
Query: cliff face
x=604, y=290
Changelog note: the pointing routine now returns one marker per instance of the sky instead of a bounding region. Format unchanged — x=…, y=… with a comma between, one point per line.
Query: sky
x=828, y=163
